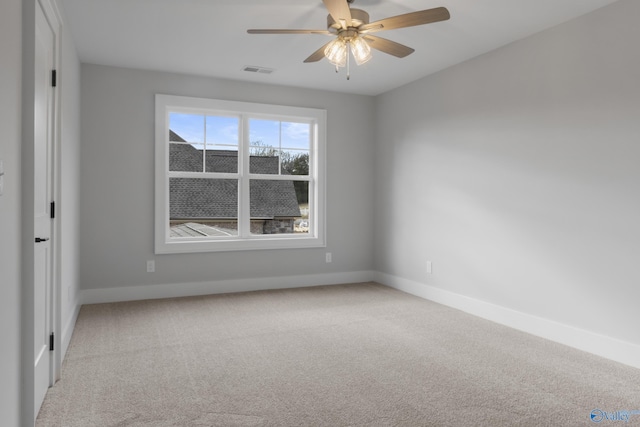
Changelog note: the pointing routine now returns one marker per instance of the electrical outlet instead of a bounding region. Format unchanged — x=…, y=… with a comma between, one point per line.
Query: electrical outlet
x=327, y=257
x=429, y=268
x=151, y=266
x=1, y=177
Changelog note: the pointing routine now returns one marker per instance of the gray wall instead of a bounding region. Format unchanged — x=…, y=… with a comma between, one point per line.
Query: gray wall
x=517, y=174
x=10, y=118
x=117, y=187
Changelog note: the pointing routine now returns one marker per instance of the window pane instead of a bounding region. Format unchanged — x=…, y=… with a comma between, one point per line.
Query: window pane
x=295, y=135
x=264, y=146
x=295, y=162
x=186, y=127
x=203, y=207
x=303, y=223
x=279, y=144
x=222, y=131
x=264, y=133
x=274, y=206
x=279, y=134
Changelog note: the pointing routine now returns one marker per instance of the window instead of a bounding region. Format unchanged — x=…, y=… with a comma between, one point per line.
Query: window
x=237, y=176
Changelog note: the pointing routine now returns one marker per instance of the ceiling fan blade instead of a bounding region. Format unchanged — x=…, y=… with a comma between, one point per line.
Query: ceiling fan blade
x=339, y=11
x=318, y=54
x=387, y=46
x=408, y=20
x=289, y=32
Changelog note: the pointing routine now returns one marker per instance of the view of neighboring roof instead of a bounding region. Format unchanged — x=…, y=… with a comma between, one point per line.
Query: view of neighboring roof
x=175, y=137
x=195, y=198
x=194, y=229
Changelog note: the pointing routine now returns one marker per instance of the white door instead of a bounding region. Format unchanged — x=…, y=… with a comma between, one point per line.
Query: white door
x=43, y=141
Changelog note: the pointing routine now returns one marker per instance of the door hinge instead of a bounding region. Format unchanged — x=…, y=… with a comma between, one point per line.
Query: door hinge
x=51, y=341
x=52, y=210
x=54, y=78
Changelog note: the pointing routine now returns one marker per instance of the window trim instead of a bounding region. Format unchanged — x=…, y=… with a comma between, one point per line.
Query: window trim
x=316, y=237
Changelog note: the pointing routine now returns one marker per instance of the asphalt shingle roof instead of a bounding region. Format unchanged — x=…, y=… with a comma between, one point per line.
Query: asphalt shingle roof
x=196, y=198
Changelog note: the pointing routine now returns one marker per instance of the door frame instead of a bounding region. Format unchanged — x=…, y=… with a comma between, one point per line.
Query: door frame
x=54, y=18
x=54, y=15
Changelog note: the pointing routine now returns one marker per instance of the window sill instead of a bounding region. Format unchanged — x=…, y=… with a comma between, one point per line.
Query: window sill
x=261, y=243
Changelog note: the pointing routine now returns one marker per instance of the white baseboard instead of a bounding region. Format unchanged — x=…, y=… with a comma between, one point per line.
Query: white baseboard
x=132, y=293
x=600, y=345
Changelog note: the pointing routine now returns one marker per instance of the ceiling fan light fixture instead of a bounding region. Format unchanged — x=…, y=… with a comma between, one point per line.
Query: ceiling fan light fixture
x=361, y=50
x=354, y=33
x=336, y=52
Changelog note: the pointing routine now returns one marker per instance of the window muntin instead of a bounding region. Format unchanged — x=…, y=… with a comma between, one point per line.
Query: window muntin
x=234, y=176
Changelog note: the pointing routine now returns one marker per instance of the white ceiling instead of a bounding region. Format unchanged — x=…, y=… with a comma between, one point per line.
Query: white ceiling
x=208, y=37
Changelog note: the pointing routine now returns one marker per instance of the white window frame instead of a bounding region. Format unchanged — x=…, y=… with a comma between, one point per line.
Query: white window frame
x=316, y=237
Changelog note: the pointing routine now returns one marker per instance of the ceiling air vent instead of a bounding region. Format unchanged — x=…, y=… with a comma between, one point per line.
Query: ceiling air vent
x=260, y=70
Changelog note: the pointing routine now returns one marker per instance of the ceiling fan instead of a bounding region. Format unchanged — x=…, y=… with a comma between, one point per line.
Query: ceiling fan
x=354, y=33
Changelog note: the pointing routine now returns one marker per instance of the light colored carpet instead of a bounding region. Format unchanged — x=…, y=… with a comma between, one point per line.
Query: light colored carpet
x=348, y=355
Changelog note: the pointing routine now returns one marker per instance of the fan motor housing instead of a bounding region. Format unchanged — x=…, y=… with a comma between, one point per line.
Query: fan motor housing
x=358, y=17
